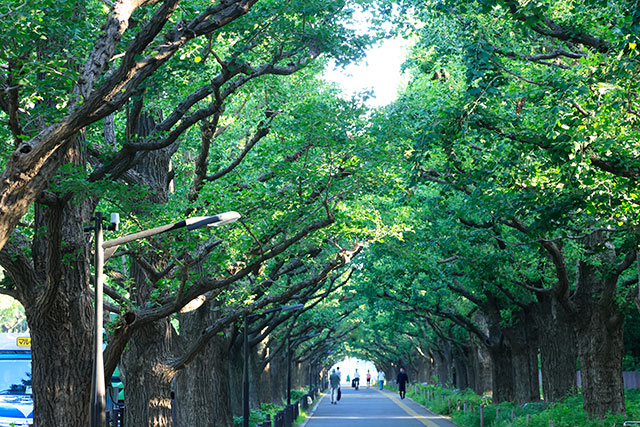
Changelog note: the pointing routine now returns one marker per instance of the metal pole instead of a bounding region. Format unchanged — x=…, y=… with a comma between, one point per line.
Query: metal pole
x=98, y=403
x=245, y=377
x=288, y=371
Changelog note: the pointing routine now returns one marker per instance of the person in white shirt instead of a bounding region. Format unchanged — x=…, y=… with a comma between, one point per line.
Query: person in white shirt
x=381, y=379
x=356, y=379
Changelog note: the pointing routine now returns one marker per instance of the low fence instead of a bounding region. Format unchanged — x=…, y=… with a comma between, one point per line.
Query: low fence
x=290, y=413
x=284, y=418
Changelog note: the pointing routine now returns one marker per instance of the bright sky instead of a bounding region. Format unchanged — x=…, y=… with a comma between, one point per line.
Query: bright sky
x=379, y=71
x=349, y=365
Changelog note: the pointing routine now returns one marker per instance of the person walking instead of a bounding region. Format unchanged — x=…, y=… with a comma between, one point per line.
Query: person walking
x=381, y=379
x=402, y=381
x=334, y=382
x=356, y=379
x=368, y=378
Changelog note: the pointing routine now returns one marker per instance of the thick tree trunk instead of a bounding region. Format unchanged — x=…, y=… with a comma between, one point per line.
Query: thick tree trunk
x=558, y=350
x=148, y=376
x=202, y=392
x=463, y=363
x=443, y=358
x=502, y=367
x=523, y=340
x=600, y=351
x=235, y=378
x=482, y=363
x=62, y=354
x=277, y=380
x=59, y=308
x=600, y=327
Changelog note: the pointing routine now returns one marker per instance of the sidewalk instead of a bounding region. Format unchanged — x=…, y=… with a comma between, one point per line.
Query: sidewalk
x=371, y=407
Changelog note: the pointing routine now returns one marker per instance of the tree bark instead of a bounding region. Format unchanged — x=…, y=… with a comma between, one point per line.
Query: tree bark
x=202, y=392
x=501, y=367
x=443, y=364
x=600, y=327
x=558, y=350
x=148, y=377
x=523, y=340
x=54, y=288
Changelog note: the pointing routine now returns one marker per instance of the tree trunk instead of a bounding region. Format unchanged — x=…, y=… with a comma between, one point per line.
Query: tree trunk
x=443, y=361
x=148, y=376
x=523, y=340
x=600, y=345
x=202, y=392
x=235, y=378
x=462, y=363
x=502, y=367
x=277, y=373
x=59, y=309
x=558, y=350
x=62, y=353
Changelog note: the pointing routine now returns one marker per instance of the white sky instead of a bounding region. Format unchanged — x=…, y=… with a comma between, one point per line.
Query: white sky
x=379, y=71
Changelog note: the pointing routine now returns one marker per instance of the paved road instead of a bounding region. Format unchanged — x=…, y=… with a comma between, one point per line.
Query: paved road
x=373, y=408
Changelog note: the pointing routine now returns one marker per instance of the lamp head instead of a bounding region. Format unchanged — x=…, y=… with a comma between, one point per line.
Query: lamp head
x=212, y=221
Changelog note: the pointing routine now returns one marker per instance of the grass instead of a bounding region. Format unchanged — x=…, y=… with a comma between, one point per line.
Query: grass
x=568, y=413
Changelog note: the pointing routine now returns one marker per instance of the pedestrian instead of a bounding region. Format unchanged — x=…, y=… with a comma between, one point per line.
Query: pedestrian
x=348, y=379
x=381, y=379
x=339, y=373
x=402, y=381
x=368, y=378
x=334, y=382
x=356, y=379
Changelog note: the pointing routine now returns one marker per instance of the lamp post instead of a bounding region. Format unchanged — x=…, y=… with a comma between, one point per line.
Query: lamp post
x=103, y=251
x=245, y=345
x=298, y=340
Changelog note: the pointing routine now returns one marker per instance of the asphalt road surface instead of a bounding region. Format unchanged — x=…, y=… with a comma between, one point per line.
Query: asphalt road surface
x=373, y=408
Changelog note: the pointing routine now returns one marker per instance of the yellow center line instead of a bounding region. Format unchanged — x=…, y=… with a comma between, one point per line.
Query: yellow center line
x=424, y=420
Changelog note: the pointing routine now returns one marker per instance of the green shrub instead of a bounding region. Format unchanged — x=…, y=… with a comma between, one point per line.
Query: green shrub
x=568, y=413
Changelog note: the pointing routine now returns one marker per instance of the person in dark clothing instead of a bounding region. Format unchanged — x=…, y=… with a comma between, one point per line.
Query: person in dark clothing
x=402, y=381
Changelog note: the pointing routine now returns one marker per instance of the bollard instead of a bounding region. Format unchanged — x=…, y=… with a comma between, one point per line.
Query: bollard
x=513, y=414
x=288, y=420
x=497, y=413
x=464, y=407
x=528, y=418
x=481, y=416
x=458, y=405
x=278, y=420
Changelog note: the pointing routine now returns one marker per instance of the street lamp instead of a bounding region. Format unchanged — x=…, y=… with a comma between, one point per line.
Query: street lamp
x=103, y=252
x=245, y=375
x=298, y=341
